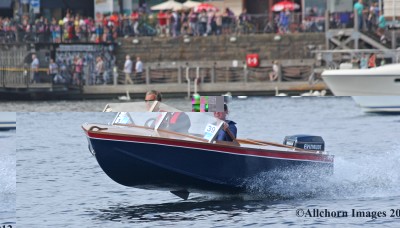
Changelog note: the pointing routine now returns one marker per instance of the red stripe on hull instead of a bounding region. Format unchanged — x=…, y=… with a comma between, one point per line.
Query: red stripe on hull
x=217, y=148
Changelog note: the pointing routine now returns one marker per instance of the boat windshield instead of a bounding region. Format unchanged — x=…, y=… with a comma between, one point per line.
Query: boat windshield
x=194, y=124
x=152, y=106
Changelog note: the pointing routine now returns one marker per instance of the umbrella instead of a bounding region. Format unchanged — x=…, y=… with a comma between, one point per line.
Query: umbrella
x=168, y=5
x=285, y=5
x=206, y=7
x=191, y=4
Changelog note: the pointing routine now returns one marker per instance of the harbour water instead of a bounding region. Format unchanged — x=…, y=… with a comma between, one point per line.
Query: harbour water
x=60, y=183
x=76, y=106
x=7, y=177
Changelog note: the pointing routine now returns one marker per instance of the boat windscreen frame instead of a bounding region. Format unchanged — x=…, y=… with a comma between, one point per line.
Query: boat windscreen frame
x=210, y=131
x=114, y=122
x=153, y=107
x=158, y=123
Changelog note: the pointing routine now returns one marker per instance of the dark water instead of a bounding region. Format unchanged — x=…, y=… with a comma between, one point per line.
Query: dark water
x=61, y=185
x=7, y=177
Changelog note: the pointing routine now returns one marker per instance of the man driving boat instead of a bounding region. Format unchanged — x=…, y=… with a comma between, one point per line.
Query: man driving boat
x=175, y=121
x=222, y=134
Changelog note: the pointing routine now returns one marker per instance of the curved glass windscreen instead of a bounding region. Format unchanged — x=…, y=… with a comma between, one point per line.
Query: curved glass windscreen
x=142, y=106
x=195, y=124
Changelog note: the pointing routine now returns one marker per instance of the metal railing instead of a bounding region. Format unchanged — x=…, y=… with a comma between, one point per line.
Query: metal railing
x=23, y=77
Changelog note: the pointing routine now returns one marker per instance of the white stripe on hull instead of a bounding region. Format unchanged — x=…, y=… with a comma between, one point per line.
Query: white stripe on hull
x=378, y=103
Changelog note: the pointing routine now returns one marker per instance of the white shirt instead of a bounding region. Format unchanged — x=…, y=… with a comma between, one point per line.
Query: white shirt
x=139, y=67
x=275, y=68
x=35, y=63
x=128, y=66
x=53, y=68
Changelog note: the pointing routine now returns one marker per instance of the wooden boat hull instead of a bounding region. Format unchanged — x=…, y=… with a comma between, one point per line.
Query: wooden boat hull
x=173, y=165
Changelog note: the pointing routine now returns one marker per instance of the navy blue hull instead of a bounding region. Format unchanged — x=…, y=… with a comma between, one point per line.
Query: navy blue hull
x=7, y=128
x=166, y=167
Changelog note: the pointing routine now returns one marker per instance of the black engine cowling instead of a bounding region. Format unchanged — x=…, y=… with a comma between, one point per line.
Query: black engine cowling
x=306, y=142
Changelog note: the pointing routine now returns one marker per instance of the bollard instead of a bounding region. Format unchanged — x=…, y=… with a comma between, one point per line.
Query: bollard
x=179, y=75
x=147, y=75
x=245, y=73
x=188, y=81
x=280, y=72
x=213, y=73
x=197, y=79
x=115, y=76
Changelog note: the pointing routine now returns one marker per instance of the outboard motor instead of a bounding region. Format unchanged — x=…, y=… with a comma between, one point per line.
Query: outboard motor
x=306, y=142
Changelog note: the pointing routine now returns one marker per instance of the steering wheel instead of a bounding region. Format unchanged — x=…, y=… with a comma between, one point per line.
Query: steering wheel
x=150, y=122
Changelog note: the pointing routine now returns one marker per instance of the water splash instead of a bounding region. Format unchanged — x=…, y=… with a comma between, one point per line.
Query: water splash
x=7, y=180
x=368, y=176
x=7, y=164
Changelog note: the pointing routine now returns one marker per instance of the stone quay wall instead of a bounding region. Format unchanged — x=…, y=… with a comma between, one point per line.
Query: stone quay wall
x=220, y=48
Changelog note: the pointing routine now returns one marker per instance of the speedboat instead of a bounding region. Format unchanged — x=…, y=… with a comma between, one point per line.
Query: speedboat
x=144, y=150
x=7, y=121
x=374, y=90
x=378, y=81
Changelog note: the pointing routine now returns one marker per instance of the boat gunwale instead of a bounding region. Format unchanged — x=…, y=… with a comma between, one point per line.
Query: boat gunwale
x=214, y=146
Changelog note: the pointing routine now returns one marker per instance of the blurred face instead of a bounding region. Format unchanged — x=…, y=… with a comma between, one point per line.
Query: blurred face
x=220, y=115
x=149, y=100
x=150, y=97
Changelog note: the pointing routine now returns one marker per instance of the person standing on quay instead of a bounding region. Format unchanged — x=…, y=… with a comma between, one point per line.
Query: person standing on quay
x=372, y=61
x=138, y=69
x=359, y=7
x=99, y=70
x=274, y=74
x=78, y=65
x=53, y=70
x=128, y=70
x=35, y=69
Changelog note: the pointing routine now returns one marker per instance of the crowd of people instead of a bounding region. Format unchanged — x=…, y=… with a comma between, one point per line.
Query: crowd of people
x=71, y=28
x=83, y=70
x=96, y=67
x=141, y=22
x=372, y=17
x=366, y=61
x=106, y=28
